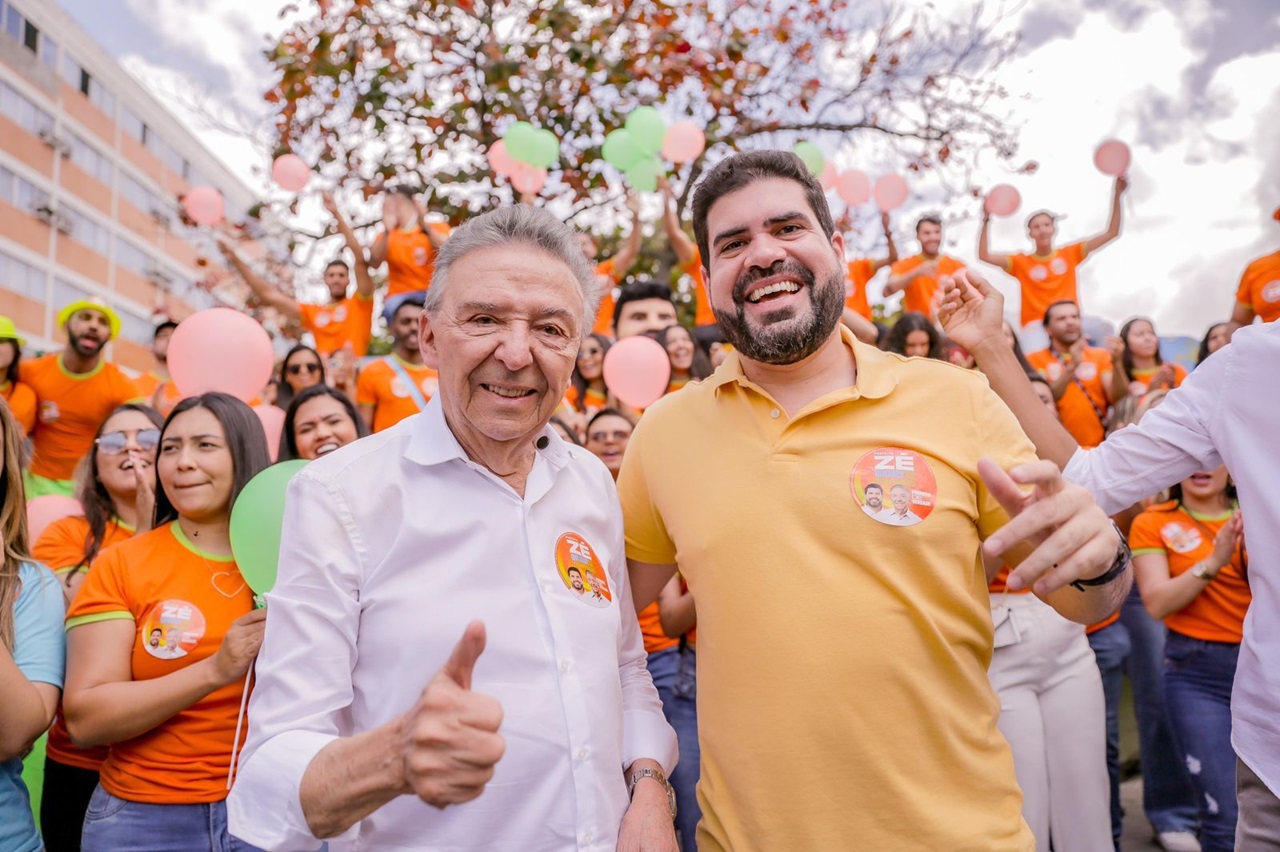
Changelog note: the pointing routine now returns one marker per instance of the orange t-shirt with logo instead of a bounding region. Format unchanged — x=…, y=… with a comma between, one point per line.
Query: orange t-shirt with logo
x=337, y=324
x=61, y=548
x=1047, y=279
x=703, y=314
x=71, y=408
x=1145, y=375
x=21, y=400
x=651, y=630
x=861, y=271
x=182, y=602
x=1260, y=287
x=411, y=259
x=1184, y=538
x=149, y=383
x=380, y=385
x=1078, y=414
x=604, y=314
x=918, y=296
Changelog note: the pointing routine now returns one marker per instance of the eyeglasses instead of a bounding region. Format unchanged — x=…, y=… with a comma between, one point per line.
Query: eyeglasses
x=114, y=443
x=295, y=369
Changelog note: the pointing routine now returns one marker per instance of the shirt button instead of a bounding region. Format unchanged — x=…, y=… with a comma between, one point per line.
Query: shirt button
x=564, y=667
x=581, y=755
x=544, y=586
x=588, y=837
x=775, y=414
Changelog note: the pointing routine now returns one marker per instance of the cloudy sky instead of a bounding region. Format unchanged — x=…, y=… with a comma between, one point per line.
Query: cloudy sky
x=1192, y=85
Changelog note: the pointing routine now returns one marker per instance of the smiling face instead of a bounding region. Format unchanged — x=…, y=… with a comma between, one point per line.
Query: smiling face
x=302, y=370
x=899, y=496
x=405, y=326
x=337, y=278
x=607, y=439
x=1207, y=484
x=777, y=282
x=575, y=579
x=195, y=466
x=930, y=236
x=116, y=470
x=875, y=497
x=88, y=331
x=322, y=425
x=504, y=341
x=680, y=348
x=640, y=316
x=591, y=359
x=917, y=343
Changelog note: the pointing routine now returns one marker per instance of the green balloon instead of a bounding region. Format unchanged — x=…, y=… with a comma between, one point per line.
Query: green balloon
x=643, y=176
x=647, y=129
x=546, y=149
x=620, y=150
x=256, y=522
x=812, y=156
x=522, y=142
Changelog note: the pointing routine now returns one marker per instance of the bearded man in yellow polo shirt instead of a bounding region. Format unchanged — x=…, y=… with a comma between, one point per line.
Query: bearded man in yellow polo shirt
x=843, y=695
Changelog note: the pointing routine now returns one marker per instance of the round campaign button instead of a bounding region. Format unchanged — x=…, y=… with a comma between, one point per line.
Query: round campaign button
x=581, y=572
x=894, y=486
x=172, y=629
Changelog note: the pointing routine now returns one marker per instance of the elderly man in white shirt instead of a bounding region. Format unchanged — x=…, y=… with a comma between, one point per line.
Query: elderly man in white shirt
x=429, y=677
x=1226, y=412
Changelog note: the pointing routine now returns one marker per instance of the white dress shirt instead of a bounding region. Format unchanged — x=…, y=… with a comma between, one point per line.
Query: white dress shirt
x=391, y=546
x=1226, y=412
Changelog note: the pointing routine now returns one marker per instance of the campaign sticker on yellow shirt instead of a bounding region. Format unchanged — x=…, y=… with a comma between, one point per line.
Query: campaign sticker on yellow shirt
x=894, y=486
x=580, y=570
x=1180, y=539
x=172, y=629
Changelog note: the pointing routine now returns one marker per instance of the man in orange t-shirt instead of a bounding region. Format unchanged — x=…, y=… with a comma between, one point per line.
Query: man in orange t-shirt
x=1078, y=374
x=863, y=269
x=1048, y=275
x=75, y=390
x=399, y=385
x=613, y=270
x=1259, y=292
x=155, y=386
x=917, y=276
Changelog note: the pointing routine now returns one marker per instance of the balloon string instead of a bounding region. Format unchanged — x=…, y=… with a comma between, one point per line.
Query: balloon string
x=235, y=745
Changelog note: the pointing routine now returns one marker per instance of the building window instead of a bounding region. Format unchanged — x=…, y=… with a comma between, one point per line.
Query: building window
x=134, y=259
x=90, y=160
x=64, y=292
x=135, y=328
x=22, y=278
x=101, y=98
x=85, y=230
x=132, y=125
x=49, y=52
x=23, y=112
x=14, y=23
x=21, y=193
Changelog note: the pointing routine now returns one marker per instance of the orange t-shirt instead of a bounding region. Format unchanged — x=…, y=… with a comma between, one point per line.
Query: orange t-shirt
x=651, y=630
x=702, y=300
x=71, y=408
x=1185, y=538
x=182, y=602
x=149, y=383
x=1144, y=375
x=1075, y=408
x=337, y=324
x=918, y=296
x=21, y=400
x=1106, y=622
x=999, y=584
x=380, y=386
x=61, y=548
x=1046, y=280
x=604, y=314
x=861, y=270
x=411, y=260
x=1260, y=287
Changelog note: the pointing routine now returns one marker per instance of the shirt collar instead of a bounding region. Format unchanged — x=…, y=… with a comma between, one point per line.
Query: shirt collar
x=877, y=371
x=432, y=441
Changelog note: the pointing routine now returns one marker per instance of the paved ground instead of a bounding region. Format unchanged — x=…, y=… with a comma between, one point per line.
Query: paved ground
x=1138, y=836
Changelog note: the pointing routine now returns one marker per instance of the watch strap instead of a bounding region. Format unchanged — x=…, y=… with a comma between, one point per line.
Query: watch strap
x=1123, y=557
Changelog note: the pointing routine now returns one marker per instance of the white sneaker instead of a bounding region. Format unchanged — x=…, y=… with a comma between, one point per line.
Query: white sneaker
x=1177, y=841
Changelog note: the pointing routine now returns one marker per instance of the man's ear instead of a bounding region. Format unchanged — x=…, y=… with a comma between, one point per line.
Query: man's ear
x=427, y=342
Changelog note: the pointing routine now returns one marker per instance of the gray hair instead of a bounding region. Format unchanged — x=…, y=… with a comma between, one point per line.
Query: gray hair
x=522, y=223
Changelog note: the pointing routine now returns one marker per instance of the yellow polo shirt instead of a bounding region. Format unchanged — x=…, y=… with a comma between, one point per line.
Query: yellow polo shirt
x=843, y=639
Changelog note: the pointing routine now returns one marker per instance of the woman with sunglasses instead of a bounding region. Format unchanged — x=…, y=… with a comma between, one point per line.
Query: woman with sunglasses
x=302, y=368
x=1191, y=568
x=116, y=493
x=160, y=639
x=319, y=421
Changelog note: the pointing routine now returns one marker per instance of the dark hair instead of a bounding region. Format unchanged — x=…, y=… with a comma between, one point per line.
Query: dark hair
x=246, y=441
x=871, y=485
x=404, y=191
x=1175, y=493
x=1020, y=355
x=1034, y=378
x=568, y=430
x=92, y=494
x=1127, y=358
x=337, y=262
x=701, y=366
x=284, y=392
x=579, y=383
x=289, y=441
x=1048, y=312
x=705, y=336
x=928, y=219
x=913, y=321
x=1204, y=342
x=409, y=300
x=608, y=412
x=11, y=375
x=638, y=291
x=162, y=326
x=13, y=522
x=742, y=170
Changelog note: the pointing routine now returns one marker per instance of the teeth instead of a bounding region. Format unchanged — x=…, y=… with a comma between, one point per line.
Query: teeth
x=780, y=287
x=509, y=394
x=324, y=449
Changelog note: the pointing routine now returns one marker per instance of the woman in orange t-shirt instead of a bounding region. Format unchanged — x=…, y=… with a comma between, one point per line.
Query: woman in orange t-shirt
x=20, y=398
x=114, y=489
x=1136, y=351
x=687, y=361
x=319, y=421
x=160, y=639
x=1191, y=569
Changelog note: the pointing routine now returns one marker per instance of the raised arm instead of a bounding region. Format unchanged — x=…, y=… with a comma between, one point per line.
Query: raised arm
x=985, y=254
x=892, y=256
x=1241, y=315
x=263, y=290
x=378, y=251
x=680, y=243
x=1113, y=224
x=364, y=281
x=898, y=283
x=630, y=250
x=434, y=237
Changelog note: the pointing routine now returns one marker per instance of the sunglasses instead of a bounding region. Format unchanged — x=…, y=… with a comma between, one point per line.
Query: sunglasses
x=295, y=369
x=114, y=443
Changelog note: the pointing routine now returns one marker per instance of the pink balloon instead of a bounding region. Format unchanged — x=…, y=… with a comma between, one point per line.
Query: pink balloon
x=829, y=176
x=853, y=187
x=1112, y=158
x=1002, y=200
x=499, y=160
x=891, y=191
x=273, y=424
x=43, y=511
x=684, y=142
x=637, y=370
x=220, y=350
x=291, y=172
x=527, y=178
x=204, y=205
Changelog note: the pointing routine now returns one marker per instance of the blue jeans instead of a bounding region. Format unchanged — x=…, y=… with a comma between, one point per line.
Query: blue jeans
x=1197, y=694
x=1110, y=648
x=675, y=674
x=1167, y=796
x=112, y=824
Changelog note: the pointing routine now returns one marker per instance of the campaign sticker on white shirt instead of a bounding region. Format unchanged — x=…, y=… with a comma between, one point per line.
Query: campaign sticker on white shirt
x=1180, y=539
x=894, y=486
x=1058, y=266
x=172, y=629
x=581, y=572
x=1271, y=291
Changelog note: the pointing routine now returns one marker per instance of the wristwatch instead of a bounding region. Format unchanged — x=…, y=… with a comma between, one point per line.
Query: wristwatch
x=1202, y=572
x=661, y=779
x=1123, y=556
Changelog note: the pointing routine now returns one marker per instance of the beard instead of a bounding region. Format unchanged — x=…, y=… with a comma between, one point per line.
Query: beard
x=781, y=340
x=86, y=349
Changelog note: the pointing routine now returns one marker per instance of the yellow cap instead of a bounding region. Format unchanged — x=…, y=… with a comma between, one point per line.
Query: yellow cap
x=9, y=332
x=93, y=304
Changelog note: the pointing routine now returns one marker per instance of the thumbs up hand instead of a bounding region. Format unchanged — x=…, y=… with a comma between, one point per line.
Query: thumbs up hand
x=451, y=735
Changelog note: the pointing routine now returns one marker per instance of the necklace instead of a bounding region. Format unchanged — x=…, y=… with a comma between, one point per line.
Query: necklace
x=227, y=583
